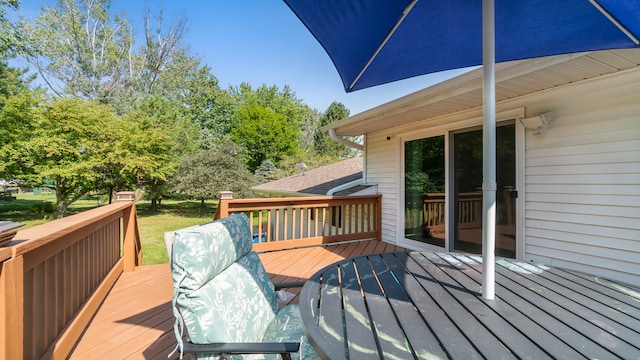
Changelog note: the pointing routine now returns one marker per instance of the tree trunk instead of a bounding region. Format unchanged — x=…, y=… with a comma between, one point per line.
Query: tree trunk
x=61, y=196
x=62, y=209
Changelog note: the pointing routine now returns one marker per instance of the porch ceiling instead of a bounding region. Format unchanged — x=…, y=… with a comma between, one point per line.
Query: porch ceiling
x=464, y=92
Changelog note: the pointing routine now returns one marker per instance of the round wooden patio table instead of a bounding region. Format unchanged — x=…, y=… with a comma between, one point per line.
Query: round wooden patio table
x=423, y=305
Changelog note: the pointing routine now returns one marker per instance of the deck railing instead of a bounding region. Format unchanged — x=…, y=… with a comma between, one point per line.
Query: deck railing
x=53, y=277
x=428, y=212
x=280, y=223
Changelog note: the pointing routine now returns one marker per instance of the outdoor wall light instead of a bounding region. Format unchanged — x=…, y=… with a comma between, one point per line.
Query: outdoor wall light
x=537, y=123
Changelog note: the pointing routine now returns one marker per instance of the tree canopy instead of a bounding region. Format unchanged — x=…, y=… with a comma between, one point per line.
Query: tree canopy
x=203, y=174
x=118, y=113
x=265, y=134
x=69, y=140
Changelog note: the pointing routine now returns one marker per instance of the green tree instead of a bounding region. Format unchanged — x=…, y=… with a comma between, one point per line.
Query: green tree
x=12, y=80
x=154, y=137
x=282, y=102
x=264, y=134
x=206, y=104
x=323, y=144
x=309, y=129
x=18, y=115
x=12, y=40
x=86, y=52
x=68, y=143
x=267, y=171
x=202, y=175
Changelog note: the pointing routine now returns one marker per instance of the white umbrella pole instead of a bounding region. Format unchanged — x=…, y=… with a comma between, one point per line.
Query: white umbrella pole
x=489, y=184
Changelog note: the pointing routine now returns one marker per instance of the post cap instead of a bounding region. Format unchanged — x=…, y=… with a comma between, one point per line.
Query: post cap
x=125, y=196
x=226, y=195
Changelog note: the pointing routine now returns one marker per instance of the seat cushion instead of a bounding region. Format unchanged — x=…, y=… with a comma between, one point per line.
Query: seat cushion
x=288, y=326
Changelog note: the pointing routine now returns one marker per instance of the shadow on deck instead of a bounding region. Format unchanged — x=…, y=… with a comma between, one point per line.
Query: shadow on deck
x=136, y=321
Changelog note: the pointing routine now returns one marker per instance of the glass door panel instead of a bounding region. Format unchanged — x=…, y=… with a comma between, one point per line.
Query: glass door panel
x=467, y=194
x=424, y=173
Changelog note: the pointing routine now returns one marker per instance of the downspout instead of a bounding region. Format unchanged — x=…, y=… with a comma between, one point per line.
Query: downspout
x=346, y=186
x=351, y=144
x=343, y=141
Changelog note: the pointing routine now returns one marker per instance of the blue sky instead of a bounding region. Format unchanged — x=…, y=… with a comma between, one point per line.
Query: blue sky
x=261, y=42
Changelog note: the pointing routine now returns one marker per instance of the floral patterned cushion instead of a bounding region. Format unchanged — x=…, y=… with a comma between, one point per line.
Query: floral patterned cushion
x=222, y=292
x=287, y=326
x=202, y=252
x=236, y=306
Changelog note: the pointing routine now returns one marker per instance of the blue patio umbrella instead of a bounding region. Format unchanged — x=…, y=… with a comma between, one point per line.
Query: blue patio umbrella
x=372, y=42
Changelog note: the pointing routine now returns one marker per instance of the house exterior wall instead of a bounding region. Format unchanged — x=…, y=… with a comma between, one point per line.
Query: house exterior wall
x=381, y=165
x=582, y=178
x=581, y=175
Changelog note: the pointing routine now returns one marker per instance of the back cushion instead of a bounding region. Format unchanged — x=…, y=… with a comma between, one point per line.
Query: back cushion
x=236, y=306
x=221, y=288
x=204, y=251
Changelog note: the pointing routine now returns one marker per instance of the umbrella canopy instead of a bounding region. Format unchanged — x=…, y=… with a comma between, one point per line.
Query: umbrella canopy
x=372, y=42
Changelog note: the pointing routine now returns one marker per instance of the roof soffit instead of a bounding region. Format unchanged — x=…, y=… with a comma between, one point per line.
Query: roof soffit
x=464, y=92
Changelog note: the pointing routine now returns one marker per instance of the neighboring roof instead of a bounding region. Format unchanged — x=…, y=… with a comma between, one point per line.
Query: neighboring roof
x=462, y=93
x=317, y=181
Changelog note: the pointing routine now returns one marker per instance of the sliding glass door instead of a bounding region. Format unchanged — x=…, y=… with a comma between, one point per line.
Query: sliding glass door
x=425, y=186
x=424, y=210
x=467, y=191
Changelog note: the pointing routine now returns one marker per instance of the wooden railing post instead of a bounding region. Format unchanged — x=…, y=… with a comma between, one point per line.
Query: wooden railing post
x=379, y=218
x=223, y=205
x=131, y=247
x=12, y=308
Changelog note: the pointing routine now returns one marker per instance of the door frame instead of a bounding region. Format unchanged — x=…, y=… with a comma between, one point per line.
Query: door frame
x=447, y=130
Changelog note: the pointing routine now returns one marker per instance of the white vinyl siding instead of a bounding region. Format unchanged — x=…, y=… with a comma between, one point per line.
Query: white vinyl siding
x=582, y=176
x=382, y=170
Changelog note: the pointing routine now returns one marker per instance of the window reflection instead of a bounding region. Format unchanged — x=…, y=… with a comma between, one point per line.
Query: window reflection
x=424, y=170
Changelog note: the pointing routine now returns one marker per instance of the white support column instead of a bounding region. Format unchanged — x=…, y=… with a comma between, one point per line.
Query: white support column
x=489, y=183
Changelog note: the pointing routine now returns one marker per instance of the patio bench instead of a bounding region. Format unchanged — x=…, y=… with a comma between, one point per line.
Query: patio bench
x=224, y=299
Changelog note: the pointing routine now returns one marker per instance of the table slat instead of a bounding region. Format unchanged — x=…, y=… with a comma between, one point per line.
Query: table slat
x=330, y=304
x=418, y=334
x=361, y=342
x=508, y=334
x=454, y=343
x=613, y=337
x=437, y=283
x=388, y=332
x=556, y=338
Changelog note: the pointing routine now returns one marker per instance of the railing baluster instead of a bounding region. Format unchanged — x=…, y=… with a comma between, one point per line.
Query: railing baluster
x=277, y=224
x=305, y=221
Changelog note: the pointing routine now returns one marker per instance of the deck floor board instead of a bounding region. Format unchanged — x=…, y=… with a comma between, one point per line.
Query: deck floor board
x=546, y=314
x=136, y=320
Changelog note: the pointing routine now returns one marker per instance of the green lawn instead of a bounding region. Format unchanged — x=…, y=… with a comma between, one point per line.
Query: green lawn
x=171, y=215
x=29, y=209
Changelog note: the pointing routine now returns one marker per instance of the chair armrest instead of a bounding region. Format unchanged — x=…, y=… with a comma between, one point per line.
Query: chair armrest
x=291, y=284
x=283, y=348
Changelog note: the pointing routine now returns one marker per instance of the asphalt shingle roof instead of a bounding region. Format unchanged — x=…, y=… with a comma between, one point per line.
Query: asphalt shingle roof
x=317, y=181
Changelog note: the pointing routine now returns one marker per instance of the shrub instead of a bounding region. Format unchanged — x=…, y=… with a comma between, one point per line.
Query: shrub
x=43, y=207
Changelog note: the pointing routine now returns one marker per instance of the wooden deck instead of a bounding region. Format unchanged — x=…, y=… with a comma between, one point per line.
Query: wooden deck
x=136, y=320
